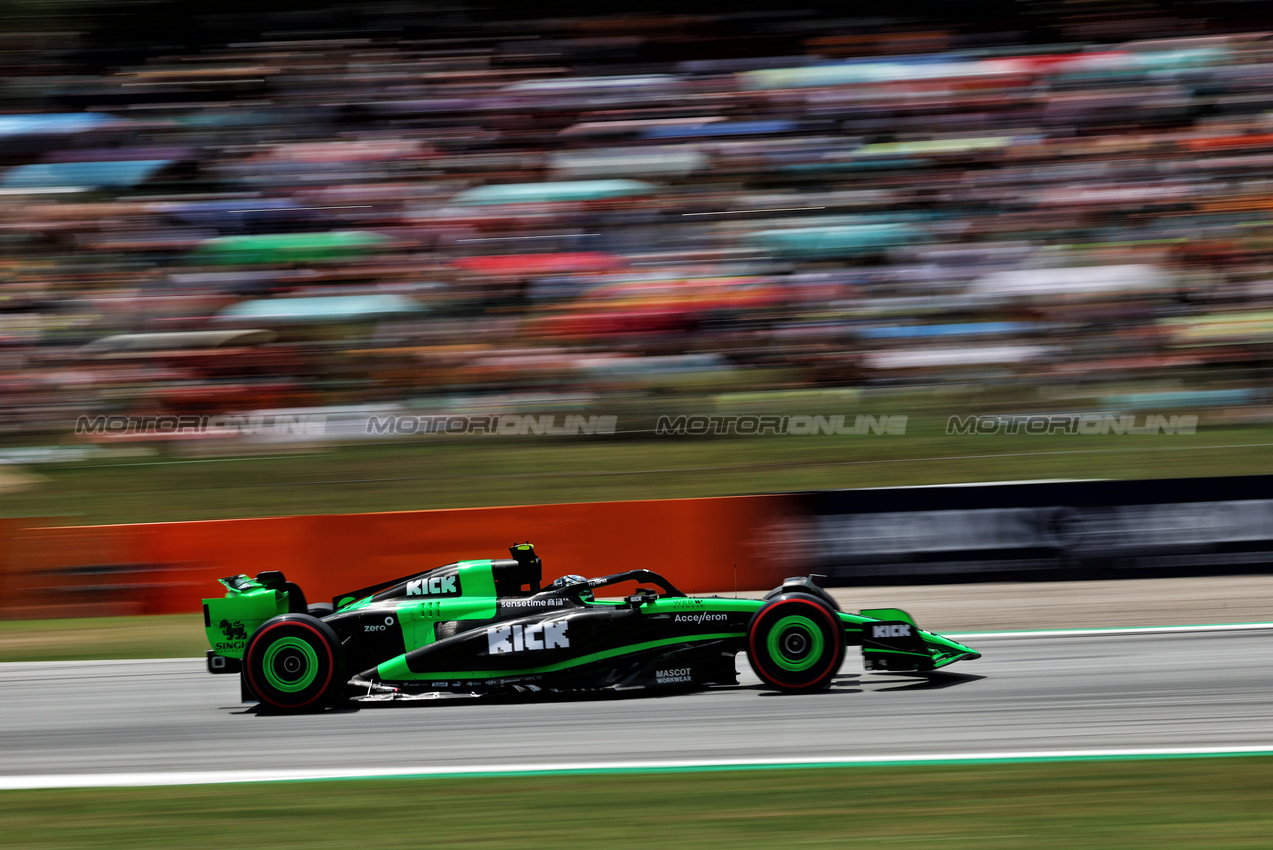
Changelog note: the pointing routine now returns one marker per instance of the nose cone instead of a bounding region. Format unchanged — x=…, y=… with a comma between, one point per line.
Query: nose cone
x=946, y=651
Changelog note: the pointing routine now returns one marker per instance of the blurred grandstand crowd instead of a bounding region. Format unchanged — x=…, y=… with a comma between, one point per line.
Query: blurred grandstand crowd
x=459, y=214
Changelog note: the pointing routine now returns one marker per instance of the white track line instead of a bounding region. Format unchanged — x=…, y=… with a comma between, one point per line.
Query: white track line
x=220, y=777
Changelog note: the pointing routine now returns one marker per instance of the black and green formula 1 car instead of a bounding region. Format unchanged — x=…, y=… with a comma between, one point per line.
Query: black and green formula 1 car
x=483, y=627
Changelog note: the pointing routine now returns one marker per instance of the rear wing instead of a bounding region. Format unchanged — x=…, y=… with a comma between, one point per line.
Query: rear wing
x=229, y=621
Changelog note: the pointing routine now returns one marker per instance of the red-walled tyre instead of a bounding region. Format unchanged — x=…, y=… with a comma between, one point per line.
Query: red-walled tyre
x=795, y=643
x=293, y=662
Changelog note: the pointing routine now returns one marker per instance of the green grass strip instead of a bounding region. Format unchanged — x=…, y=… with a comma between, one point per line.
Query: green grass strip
x=1175, y=803
x=103, y=638
x=445, y=473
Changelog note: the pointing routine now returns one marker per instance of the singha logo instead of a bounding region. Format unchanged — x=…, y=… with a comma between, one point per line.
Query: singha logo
x=233, y=631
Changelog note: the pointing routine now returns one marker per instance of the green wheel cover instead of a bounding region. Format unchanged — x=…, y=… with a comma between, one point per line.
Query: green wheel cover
x=303, y=677
x=785, y=626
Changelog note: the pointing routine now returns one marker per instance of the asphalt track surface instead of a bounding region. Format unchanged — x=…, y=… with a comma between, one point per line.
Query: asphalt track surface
x=1028, y=693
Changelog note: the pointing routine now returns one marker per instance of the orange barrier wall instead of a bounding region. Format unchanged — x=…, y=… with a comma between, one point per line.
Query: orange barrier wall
x=702, y=545
x=81, y=571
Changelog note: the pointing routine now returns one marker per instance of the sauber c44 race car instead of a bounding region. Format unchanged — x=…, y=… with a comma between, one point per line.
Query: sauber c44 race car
x=485, y=627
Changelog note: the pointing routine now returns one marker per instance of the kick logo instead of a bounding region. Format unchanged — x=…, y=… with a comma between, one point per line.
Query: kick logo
x=436, y=586
x=518, y=638
x=890, y=631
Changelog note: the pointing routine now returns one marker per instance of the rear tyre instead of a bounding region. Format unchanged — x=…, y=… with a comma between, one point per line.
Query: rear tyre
x=293, y=662
x=795, y=643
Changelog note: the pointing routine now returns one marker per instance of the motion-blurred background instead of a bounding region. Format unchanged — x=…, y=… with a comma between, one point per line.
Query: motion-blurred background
x=282, y=220
x=437, y=209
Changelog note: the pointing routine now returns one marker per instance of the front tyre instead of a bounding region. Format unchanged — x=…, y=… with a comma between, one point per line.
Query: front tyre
x=795, y=643
x=293, y=662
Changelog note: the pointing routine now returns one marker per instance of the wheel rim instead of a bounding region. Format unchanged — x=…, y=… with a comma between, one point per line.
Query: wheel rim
x=290, y=665
x=795, y=643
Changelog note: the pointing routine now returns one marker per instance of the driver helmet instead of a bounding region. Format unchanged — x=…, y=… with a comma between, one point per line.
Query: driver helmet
x=567, y=580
